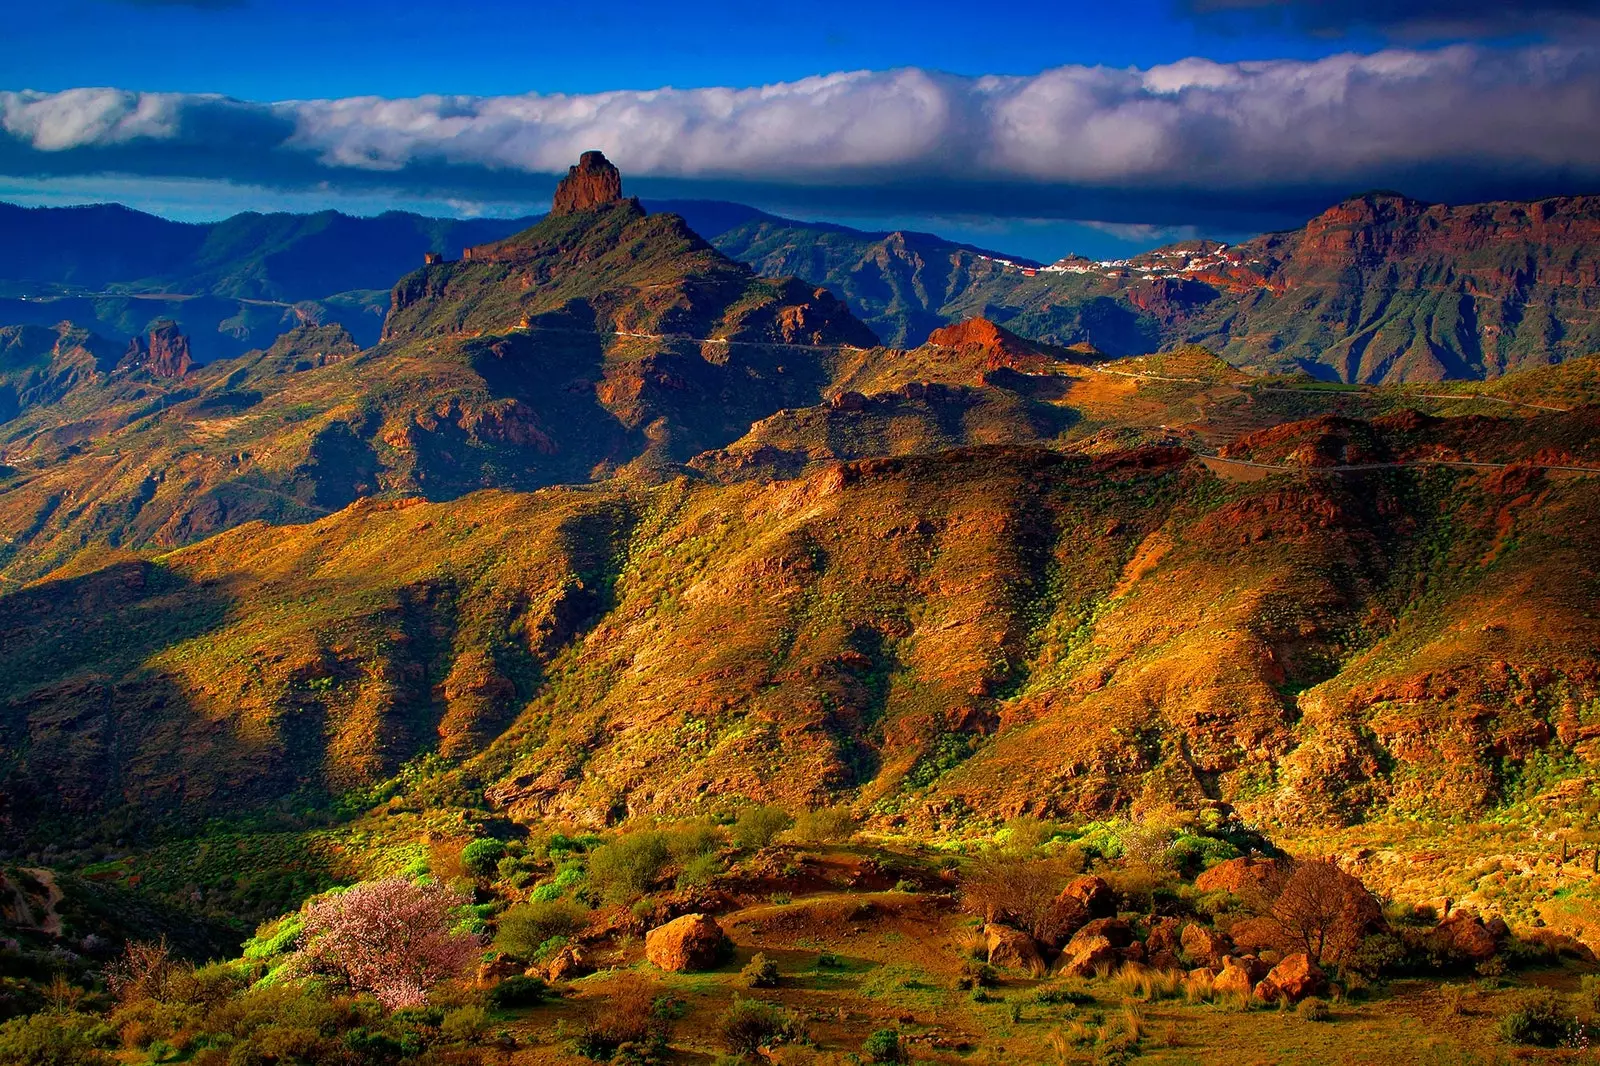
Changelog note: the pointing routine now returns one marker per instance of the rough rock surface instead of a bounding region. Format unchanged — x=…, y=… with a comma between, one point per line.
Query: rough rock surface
x=571, y=961
x=1094, y=893
x=1244, y=876
x=1011, y=948
x=1464, y=935
x=593, y=181
x=1235, y=977
x=1085, y=956
x=1117, y=931
x=164, y=353
x=1295, y=978
x=1205, y=946
x=693, y=942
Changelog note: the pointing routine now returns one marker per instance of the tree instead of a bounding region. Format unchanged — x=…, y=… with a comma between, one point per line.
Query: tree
x=1018, y=892
x=393, y=938
x=758, y=826
x=1323, y=911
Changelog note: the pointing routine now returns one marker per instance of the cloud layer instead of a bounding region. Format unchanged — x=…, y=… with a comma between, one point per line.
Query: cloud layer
x=1464, y=121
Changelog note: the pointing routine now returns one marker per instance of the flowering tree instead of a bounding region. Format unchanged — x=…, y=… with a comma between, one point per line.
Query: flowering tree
x=391, y=937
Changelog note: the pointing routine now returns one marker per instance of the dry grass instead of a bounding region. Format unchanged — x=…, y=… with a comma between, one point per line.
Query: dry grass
x=1199, y=987
x=1139, y=982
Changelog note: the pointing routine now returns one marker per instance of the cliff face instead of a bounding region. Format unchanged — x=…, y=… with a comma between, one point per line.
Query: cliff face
x=164, y=352
x=592, y=182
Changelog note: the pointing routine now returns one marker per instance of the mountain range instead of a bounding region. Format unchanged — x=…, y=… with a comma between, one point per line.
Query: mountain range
x=1379, y=288
x=615, y=523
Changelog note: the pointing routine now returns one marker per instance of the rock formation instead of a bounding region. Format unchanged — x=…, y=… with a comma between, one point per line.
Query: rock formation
x=589, y=184
x=164, y=353
x=692, y=942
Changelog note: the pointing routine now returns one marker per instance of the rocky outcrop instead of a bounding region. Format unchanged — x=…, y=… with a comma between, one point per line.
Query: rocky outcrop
x=1464, y=936
x=693, y=942
x=1086, y=956
x=164, y=352
x=591, y=183
x=1245, y=877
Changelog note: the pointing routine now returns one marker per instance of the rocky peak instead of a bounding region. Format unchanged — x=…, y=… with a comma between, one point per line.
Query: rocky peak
x=163, y=353
x=592, y=182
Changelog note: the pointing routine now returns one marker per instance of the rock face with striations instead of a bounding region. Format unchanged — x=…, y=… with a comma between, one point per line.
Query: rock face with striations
x=592, y=182
x=164, y=353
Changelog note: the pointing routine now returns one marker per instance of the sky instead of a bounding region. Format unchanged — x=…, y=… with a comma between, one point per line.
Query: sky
x=1040, y=128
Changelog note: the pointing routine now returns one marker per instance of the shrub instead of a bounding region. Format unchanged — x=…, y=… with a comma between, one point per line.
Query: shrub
x=518, y=991
x=628, y=866
x=1018, y=892
x=392, y=938
x=464, y=1024
x=699, y=871
x=481, y=857
x=1539, y=1019
x=759, y=826
x=883, y=1046
x=750, y=1025
x=825, y=825
x=528, y=926
x=759, y=972
x=974, y=974
x=54, y=1039
x=1313, y=1009
x=626, y=1028
x=693, y=840
x=1323, y=911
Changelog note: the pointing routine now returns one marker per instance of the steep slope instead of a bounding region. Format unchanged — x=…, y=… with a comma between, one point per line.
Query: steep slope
x=598, y=339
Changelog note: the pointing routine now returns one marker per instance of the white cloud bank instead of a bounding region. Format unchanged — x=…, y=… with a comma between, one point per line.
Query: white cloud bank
x=1197, y=125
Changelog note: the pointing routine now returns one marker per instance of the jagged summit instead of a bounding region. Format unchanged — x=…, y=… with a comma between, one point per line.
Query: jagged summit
x=592, y=182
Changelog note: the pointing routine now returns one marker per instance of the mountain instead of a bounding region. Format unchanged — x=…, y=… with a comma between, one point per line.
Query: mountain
x=1378, y=288
x=597, y=339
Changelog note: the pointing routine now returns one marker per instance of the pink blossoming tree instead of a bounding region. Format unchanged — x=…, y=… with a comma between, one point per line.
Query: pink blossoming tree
x=392, y=938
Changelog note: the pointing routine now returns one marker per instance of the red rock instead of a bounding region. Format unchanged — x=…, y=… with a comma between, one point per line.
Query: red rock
x=590, y=184
x=1164, y=936
x=1012, y=949
x=1255, y=934
x=1205, y=946
x=1464, y=936
x=1165, y=960
x=1094, y=893
x=1295, y=978
x=693, y=942
x=571, y=961
x=1244, y=876
x=1067, y=916
x=1086, y=956
x=164, y=353
x=1115, y=930
x=1235, y=977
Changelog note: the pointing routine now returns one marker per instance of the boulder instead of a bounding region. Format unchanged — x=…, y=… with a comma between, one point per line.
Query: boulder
x=1012, y=949
x=1094, y=893
x=1247, y=877
x=1067, y=916
x=1464, y=936
x=1254, y=934
x=1497, y=928
x=1164, y=936
x=1134, y=952
x=1117, y=931
x=1165, y=960
x=1205, y=946
x=1295, y=978
x=1236, y=977
x=571, y=961
x=693, y=942
x=1086, y=956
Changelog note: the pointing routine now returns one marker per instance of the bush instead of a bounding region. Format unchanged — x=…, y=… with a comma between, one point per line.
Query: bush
x=750, y=1025
x=1018, y=892
x=699, y=871
x=481, y=858
x=1313, y=1009
x=626, y=1028
x=518, y=991
x=392, y=938
x=628, y=867
x=51, y=1040
x=1539, y=1020
x=825, y=825
x=759, y=972
x=974, y=974
x=693, y=840
x=528, y=926
x=883, y=1046
x=464, y=1024
x=759, y=826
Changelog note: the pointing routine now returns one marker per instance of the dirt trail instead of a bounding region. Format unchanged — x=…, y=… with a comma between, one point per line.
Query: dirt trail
x=51, y=921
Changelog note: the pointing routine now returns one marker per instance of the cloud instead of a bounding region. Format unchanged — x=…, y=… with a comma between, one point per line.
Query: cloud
x=1417, y=19
x=1161, y=145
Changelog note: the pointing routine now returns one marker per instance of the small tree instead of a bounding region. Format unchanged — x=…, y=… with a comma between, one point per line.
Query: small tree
x=1016, y=891
x=629, y=865
x=393, y=938
x=1323, y=911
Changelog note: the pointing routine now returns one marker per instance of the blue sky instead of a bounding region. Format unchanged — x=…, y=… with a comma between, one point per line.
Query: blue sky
x=1041, y=128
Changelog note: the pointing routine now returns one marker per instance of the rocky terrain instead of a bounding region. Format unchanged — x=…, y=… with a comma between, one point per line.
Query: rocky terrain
x=613, y=551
